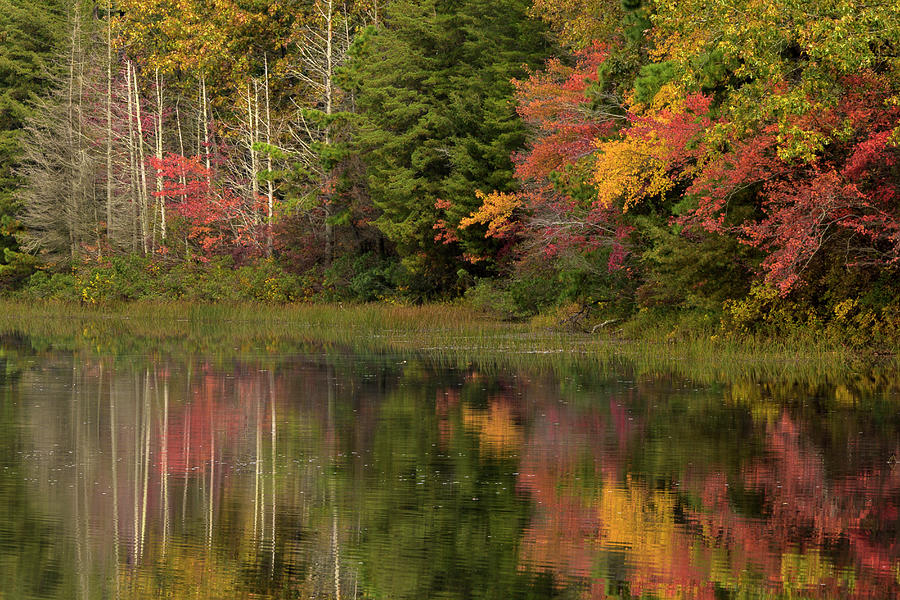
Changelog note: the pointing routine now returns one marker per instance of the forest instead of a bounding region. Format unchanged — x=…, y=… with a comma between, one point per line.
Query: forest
x=730, y=166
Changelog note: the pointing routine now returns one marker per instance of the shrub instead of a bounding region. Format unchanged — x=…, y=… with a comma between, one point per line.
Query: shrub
x=363, y=278
x=52, y=286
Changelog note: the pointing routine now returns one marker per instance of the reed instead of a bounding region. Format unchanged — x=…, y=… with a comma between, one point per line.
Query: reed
x=447, y=334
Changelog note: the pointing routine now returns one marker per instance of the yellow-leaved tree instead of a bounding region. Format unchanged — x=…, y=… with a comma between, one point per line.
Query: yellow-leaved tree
x=496, y=211
x=654, y=153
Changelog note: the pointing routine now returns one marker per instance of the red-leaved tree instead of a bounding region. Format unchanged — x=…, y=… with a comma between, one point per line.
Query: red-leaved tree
x=218, y=220
x=845, y=198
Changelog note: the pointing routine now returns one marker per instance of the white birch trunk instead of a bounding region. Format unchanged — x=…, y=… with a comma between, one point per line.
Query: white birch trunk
x=329, y=95
x=142, y=171
x=73, y=141
x=109, y=143
x=270, y=191
x=206, y=142
x=159, y=154
x=132, y=167
x=251, y=142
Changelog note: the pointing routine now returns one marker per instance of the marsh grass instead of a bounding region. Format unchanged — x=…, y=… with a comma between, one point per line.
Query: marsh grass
x=449, y=334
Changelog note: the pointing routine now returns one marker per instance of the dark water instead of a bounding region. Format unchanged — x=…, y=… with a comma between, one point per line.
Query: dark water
x=377, y=476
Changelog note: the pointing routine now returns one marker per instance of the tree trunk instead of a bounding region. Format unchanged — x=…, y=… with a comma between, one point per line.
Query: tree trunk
x=206, y=143
x=132, y=167
x=109, y=170
x=329, y=94
x=181, y=178
x=145, y=221
x=73, y=141
x=252, y=122
x=159, y=154
x=270, y=191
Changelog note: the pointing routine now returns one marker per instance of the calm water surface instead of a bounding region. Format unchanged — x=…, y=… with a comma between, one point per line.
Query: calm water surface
x=381, y=476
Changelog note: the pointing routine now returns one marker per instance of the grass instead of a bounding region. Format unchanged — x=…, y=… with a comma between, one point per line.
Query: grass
x=449, y=334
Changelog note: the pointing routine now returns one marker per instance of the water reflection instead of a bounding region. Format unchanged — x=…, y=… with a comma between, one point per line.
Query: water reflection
x=313, y=476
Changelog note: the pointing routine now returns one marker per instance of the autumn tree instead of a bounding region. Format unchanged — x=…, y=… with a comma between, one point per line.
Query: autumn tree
x=735, y=150
x=579, y=23
x=787, y=165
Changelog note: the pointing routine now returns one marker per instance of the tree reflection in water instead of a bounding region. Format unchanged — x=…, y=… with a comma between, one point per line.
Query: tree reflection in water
x=349, y=476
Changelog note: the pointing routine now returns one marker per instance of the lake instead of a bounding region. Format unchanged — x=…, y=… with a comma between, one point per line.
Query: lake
x=333, y=472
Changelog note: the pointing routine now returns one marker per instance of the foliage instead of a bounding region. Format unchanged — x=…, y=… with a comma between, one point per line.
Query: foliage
x=496, y=212
x=616, y=158
x=756, y=150
x=850, y=322
x=437, y=124
x=695, y=270
x=579, y=22
x=783, y=62
x=362, y=278
x=134, y=277
x=15, y=268
x=222, y=40
x=515, y=299
x=217, y=219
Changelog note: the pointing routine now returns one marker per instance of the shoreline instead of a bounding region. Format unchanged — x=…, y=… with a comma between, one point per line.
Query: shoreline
x=442, y=332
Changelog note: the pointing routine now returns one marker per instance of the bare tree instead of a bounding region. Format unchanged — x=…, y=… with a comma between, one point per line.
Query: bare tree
x=60, y=163
x=109, y=134
x=270, y=186
x=322, y=48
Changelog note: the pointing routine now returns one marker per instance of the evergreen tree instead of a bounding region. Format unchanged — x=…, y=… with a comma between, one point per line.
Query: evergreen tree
x=29, y=33
x=439, y=123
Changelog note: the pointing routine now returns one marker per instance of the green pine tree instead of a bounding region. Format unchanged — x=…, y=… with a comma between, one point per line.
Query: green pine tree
x=438, y=122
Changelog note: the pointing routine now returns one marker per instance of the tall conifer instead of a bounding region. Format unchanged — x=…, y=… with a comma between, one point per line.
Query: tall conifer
x=439, y=123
